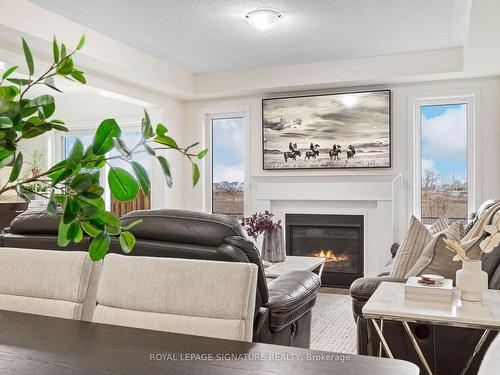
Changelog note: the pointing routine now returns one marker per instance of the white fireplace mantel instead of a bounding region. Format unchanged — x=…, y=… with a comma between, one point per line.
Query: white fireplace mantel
x=374, y=197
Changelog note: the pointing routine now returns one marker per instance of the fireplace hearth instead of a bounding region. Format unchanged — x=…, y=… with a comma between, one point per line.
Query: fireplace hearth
x=337, y=238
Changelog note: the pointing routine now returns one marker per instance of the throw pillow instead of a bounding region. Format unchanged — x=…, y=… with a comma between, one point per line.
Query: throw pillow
x=416, y=238
x=439, y=226
x=437, y=259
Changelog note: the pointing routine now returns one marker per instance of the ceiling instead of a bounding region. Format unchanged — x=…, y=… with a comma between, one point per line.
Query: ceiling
x=204, y=36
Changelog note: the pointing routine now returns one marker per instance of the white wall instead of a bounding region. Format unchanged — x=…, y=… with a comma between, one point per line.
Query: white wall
x=489, y=148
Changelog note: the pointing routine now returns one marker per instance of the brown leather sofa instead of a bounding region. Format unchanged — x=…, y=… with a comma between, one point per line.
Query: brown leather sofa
x=283, y=306
x=447, y=349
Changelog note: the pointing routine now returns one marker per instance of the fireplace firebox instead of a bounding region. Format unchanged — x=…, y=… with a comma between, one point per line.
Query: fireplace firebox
x=337, y=238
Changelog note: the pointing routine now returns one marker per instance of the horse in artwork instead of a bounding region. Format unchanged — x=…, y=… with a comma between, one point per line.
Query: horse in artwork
x=335, y=151
x=291, y=155
x=313, y=152
x=351, y=151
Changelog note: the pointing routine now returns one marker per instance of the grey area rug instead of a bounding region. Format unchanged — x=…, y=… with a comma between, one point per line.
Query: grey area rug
x=333, y=327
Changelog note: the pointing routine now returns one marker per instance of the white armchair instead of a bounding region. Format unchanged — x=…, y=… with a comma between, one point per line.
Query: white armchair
x=197, y=297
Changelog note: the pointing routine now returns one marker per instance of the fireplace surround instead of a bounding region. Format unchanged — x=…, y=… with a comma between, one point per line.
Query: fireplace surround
x=337, y=238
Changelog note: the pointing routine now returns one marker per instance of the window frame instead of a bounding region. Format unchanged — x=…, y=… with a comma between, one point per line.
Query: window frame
x=209, y=114
x=473, y=144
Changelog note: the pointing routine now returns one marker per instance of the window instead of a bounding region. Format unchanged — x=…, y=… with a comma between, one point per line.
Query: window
x=444, y=174
x=228, y=171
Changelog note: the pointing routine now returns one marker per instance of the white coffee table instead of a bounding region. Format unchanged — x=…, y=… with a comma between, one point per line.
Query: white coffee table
x=295, y=263
x=388, y=303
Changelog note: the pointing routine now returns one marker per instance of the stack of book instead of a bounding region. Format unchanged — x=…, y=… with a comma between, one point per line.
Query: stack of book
x=421, y=289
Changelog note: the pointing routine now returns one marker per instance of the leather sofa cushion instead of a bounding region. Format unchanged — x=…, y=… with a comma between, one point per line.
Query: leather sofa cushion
x=34, y=221
x=183, y=226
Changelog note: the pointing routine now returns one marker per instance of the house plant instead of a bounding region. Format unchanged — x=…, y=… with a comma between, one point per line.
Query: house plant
x=471, y=279
x=73, y=186
x=272, y=246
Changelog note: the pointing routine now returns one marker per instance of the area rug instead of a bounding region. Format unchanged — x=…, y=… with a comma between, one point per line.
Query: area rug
x=333, y=327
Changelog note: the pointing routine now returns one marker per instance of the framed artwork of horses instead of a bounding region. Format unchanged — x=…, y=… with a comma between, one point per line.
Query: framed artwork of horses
x=328, y=131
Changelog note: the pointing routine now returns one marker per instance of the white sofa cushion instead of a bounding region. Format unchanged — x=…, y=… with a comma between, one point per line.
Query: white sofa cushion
x=48, y=282
x=205, y=298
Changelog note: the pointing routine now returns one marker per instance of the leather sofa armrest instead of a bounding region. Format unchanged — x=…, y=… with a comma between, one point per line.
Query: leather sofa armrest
x=291, y=295
x=362, y=289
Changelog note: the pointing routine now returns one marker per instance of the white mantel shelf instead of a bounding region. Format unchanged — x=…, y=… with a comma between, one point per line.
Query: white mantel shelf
x=365, y=189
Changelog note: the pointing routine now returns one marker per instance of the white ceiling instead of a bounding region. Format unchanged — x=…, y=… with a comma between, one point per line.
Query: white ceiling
x=204, y=36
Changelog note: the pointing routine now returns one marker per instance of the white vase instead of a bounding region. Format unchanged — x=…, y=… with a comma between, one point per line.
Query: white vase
x=472, y=281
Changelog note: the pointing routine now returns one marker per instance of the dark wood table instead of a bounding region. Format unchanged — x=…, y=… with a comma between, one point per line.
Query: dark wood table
x=33, y=344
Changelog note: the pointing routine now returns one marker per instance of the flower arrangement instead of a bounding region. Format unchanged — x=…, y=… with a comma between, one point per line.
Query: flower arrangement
x=487, y=245
x=493, y=239
x=456, y=248
x=260, y=223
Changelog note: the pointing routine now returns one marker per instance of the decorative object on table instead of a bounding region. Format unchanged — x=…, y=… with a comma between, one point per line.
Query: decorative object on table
x=330, y=131
x=471, y=280
x=74, y=185
x=431, y=288
x=273, y=249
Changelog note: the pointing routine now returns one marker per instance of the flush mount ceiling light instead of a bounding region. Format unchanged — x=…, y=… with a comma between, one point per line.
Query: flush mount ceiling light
x=263, y=19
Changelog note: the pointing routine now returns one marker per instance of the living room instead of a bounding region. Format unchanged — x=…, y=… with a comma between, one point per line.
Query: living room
x=326, y=168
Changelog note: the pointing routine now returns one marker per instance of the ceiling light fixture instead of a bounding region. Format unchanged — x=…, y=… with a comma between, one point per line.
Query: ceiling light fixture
x=263, y=19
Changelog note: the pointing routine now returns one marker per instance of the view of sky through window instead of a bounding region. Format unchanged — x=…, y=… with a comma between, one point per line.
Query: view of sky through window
x=444, y=162
x=228, y=170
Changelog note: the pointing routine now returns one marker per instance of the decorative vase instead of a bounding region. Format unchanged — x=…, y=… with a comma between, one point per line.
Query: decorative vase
x=472, y=281
x=272, y=246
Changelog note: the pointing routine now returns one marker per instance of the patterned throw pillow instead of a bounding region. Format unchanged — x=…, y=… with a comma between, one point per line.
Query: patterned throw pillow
x=416, y=239
x=437, y=259
x=439, y=226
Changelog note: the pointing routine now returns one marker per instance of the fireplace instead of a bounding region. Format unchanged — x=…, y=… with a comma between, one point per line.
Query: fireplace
x=337, y=238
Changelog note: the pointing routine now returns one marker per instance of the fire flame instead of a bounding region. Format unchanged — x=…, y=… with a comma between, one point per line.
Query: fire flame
x=330, y=256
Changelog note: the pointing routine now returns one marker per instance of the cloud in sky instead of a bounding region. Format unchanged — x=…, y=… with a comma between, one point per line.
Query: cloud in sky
x=445, y=136
x=232, y=173
x=444, y=141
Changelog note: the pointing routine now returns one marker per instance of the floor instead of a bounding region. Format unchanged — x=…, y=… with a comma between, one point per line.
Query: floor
x=333, y=327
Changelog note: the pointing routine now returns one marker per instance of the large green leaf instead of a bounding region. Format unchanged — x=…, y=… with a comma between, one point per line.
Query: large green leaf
x=81, y=43
x=55, y=50
x=103, y=139
x=122, y=184
x=81, y=182
x=76, y=155
x=196, y=174
x=127, y=242
x=16, y=169
x=91, y=207
x=165, y=166
x=75, y=232
x=5, y=123
x=202, y=154
x=142, y=177
x=99, y=246
x=147, y=128
x=70, y=210
x=6, y=157
x=90, y=229
x=166, y=140
x=29, y=57
x=40, y=101
x=161, y=129
x=8, y=72
x=62, y=234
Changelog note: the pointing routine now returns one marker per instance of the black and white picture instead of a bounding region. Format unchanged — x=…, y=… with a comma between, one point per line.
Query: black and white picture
x=351, y=130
